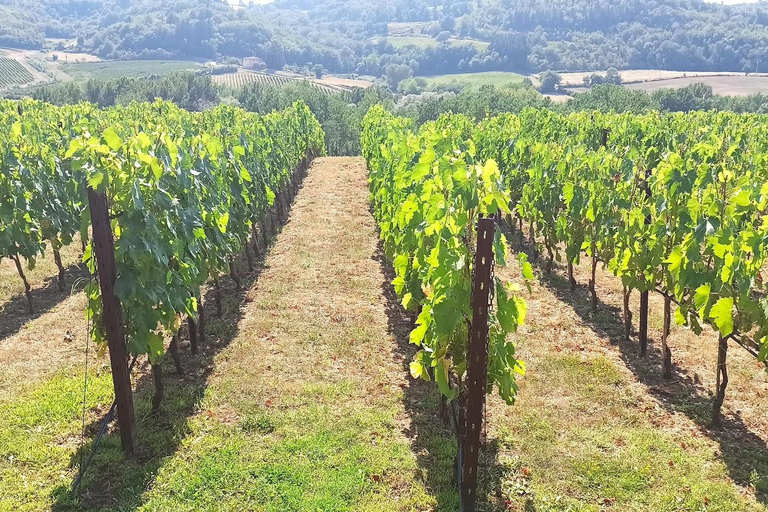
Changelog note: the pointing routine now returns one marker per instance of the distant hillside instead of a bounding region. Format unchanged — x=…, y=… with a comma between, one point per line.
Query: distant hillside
x=404, y=37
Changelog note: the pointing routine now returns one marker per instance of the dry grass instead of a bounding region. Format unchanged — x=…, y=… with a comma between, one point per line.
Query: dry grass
x=34, y=347
x=43, y=274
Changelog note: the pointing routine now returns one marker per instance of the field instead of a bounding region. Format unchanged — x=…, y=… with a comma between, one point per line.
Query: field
x=402, y=29
x=111, y=70
x=329, y=85
x=429, y=42
x=725, y=85
x=474, y=80
x=642, y=75
x=13, y=73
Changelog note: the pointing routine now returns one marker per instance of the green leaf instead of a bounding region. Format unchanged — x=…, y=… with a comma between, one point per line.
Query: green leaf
x=112, y=139
x=701, y=297
x=222, y=222
x=417, y=335
x=680, y=317
x=511, y=309
x=722, y=315
x=95, y=179
x=441, y=376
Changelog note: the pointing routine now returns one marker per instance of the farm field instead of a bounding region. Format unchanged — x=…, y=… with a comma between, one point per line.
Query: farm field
x=475, y=80
x=429, y=42
x=724, y=85
x=328, y=84
x=412, y=28
x=301, y=399
x=646, y=75
x=110, y=70
x=241, y=78
x=13, y=73
x=301, y=324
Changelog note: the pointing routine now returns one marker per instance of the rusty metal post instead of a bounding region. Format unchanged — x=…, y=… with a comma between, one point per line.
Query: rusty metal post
x=477, y=361
x=112, y=317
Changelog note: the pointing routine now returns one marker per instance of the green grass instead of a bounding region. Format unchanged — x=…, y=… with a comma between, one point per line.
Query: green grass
x=110, y=70
x=418, y=41
x=40, y=435
x=315, y=457
x=474, y=80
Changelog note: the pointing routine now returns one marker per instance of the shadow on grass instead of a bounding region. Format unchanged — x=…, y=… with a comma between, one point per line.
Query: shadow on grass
x=116, y=482
x=14, y=314
x=433, y=442
x=744, y=453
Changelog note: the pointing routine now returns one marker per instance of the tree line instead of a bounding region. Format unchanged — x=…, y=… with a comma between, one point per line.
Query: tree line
x=353, y=36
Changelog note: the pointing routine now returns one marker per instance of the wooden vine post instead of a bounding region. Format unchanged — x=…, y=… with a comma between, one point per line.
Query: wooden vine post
x=112, y=317
x=643, y=334
x=666, y=361
x=477, y=362
x=722, y=379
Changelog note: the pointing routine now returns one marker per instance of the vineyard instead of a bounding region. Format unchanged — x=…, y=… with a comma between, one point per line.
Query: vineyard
x=12, y=72
x=237, y=80
x=434, y=326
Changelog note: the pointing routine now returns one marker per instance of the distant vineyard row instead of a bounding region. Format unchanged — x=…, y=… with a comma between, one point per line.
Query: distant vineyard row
x=13, y=73
x=237, y=80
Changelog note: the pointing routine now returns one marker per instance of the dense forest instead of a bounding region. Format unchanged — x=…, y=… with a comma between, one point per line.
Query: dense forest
x=351, y=36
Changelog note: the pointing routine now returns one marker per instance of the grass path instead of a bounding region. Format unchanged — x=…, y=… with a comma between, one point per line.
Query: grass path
x=305, y=408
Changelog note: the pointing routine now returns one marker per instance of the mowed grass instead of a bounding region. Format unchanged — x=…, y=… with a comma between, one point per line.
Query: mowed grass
x=581, y=439
x=474, y=80
x=110, y=70
x=40, y=434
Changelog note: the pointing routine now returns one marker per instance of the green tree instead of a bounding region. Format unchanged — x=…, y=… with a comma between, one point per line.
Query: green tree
x=549, y=80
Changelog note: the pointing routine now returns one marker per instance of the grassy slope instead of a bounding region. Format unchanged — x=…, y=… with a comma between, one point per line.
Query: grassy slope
x=301, y=401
